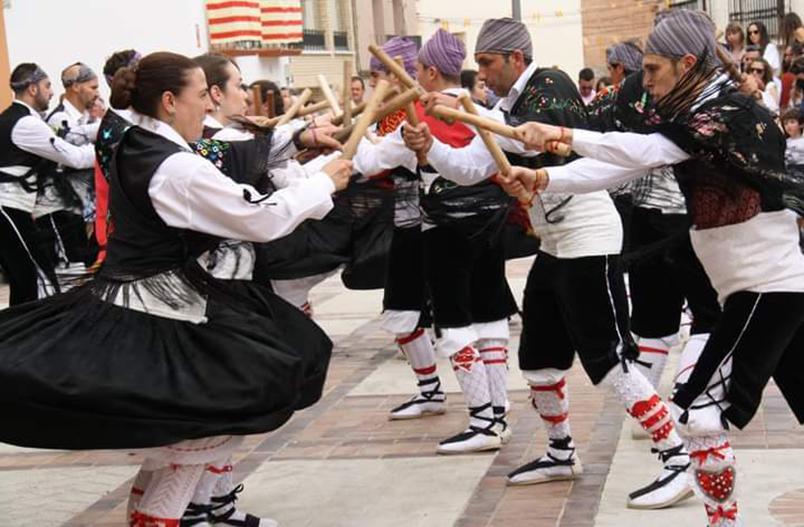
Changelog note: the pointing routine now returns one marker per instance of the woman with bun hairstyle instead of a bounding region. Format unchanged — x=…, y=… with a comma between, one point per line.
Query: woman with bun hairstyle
x=153, y=352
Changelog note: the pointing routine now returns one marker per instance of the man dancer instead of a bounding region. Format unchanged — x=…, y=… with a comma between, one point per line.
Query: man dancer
x=464, y=259
x=575, y=296
x=69, y=198
x=728, y=156
x=658, y=228
x=404, y=302
x=27, y=147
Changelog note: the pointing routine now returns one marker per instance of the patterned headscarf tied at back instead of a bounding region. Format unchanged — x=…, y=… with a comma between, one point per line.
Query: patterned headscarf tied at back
x=72, y=76
x=36, y=75
x=503, y=36
x=397, y=47
x=626, y=53
x=683, y=32
x=445, y=52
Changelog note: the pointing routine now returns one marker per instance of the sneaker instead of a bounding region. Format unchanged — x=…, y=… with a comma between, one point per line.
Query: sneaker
x=224, y=513
x=671, y=487
x=426, y=403
x=473, y=439
x=549, y=467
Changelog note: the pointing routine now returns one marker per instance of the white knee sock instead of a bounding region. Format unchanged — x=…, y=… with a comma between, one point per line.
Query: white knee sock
x=644, y=405
x=494, y=353
x=653, y=355
x=141, y=481
x=551, y=400
x=473, y=379
x=418, y=348
x=715, y=476
x=167, y=495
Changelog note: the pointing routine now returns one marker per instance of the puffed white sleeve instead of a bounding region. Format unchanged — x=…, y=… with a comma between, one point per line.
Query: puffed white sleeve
x=627, y=149
x=188, y=192
x=390, y=152
x=33, y=135
x=586, y=175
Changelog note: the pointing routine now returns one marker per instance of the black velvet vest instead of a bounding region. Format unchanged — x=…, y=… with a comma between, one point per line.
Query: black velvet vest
x=142, y=244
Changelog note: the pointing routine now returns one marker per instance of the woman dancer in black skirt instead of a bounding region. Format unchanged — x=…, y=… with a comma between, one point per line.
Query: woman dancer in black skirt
x=153, y=352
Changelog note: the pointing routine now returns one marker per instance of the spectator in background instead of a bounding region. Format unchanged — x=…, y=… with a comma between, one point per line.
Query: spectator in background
x=491, y=97
x=358, y=90
x=761, y=71
x=791, y=52
x=267, y=86
x=797, y=94
x=792, y=122
x=250, y=108
x=602, y=83
x=735, y=41
x=586, y=85
x=758, y=35
x=472, y=83
x=792, y=30
x=98, y=110
x=287, y=99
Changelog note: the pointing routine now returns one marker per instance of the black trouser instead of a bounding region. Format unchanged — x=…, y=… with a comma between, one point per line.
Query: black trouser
x=405, y=288
x=574, y=304
x=68, y=230
x=660, y=282
x=21, y=256
x=466, y=278
x=763, y=336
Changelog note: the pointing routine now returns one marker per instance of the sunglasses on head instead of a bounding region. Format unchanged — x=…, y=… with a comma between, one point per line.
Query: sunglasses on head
x=753, y=32
x=756, y=70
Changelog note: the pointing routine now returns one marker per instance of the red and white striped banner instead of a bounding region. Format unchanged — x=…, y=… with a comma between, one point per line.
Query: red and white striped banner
x=281, y=21
x=256, y=22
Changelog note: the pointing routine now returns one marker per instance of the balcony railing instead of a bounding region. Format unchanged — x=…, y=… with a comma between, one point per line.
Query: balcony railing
x=341, y=40
x=312, y=40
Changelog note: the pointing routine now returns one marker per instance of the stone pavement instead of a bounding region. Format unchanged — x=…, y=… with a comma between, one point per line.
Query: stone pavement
x=343, y=464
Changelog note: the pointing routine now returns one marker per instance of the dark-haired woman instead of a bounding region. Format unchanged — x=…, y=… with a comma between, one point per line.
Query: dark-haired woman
x=154, y=352
x=239, y=153
x=758, y=35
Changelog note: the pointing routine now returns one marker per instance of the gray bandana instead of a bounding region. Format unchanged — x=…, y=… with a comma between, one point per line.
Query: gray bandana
x=683, y=32
x=79, y=75
x=34, y=78
x=627, y=54
x=503, y=36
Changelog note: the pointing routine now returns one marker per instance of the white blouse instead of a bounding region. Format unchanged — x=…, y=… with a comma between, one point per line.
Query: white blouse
x=189, y=192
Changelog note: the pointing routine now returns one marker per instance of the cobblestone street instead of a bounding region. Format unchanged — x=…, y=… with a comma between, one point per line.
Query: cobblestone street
x=343, y=463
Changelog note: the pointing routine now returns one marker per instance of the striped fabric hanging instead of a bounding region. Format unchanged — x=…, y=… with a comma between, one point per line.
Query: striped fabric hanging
x=281, y=21
x=234, y=23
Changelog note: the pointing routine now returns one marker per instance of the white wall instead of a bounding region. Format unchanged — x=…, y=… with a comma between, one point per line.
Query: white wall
x=56, y=33
x=555, y=26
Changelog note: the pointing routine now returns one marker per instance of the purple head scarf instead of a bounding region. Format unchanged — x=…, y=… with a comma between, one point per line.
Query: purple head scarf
x=444, y=51
x=397, y=47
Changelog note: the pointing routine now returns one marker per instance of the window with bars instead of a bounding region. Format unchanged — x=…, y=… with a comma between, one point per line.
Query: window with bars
x=769, y=12
x=701, y=5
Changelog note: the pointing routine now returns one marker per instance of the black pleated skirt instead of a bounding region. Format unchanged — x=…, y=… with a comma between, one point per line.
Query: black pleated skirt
x=77, y=372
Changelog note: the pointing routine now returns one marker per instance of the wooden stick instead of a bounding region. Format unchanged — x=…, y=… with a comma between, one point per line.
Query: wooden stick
x=270, y=103
x=410, y=110
x=450, y=114
x=347, y=92
x=365, y=120
x=394, y=68
x=397, y=102
x=256, y=93
x=496, y=152
x=329, y=96
x=291, y=113
x=313, y=108
x=357, y=110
